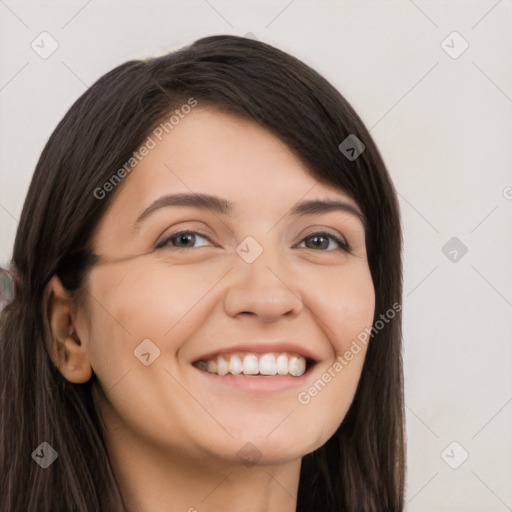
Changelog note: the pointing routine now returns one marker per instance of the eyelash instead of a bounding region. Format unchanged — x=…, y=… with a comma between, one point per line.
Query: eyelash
x=342, y=243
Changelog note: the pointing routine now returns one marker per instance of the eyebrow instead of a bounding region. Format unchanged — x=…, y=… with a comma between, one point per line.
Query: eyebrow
x=222, y=206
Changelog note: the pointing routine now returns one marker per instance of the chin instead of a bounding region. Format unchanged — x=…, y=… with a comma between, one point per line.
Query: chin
x=253, y=447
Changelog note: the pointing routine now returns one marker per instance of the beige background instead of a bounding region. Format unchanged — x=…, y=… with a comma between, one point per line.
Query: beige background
x=444, y=127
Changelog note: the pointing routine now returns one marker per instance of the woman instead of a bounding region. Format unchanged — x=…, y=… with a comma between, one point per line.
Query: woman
x=258, y=370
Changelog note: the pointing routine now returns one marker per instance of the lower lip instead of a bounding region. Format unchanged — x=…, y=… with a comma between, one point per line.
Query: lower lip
x=258, y=383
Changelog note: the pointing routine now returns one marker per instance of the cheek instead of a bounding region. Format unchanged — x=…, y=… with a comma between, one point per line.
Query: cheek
x=152, y=301
x=344, y=308
x=344, y=304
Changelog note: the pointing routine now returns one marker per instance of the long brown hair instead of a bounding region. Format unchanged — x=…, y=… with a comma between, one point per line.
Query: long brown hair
x=362, y=466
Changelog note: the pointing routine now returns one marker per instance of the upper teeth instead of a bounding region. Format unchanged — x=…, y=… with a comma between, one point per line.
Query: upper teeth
x=252, y=364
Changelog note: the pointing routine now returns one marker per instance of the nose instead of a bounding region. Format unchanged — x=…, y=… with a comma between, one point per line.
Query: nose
x=265, y=289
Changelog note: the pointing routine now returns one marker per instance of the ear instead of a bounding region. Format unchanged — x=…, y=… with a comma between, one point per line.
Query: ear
x=64, y=346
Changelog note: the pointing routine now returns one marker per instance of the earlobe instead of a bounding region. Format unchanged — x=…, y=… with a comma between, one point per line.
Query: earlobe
x=64, y=345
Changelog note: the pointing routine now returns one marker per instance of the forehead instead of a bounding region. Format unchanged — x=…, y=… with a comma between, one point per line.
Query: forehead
x=224, y=155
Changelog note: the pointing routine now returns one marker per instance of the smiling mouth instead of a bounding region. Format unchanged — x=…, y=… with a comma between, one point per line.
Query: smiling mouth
x=250, y=364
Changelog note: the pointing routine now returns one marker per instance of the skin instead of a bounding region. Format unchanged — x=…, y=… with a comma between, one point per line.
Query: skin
x=173, y=435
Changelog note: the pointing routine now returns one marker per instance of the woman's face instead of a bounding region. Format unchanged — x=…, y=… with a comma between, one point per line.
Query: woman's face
x=259, y=284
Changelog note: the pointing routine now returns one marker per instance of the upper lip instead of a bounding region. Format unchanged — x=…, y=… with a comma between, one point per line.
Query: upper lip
x=262, y=347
